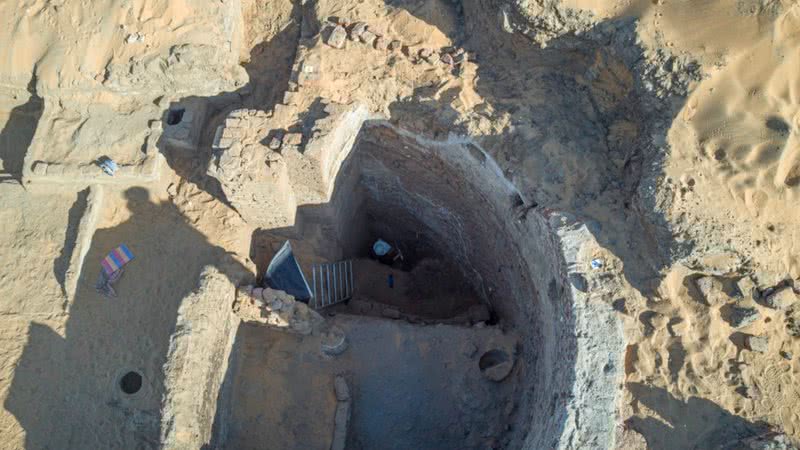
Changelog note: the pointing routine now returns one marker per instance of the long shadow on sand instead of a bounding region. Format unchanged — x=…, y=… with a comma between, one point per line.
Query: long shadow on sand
x=66, y=388
x=693, y=424
x=18, y=132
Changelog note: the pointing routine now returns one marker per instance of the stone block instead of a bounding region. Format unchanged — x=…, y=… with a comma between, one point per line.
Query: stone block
x=782, y=299
x=341, y=389
x=368, y=37
x=337, y=37
x=357, y=30
x=293, y=139
x=758, y=344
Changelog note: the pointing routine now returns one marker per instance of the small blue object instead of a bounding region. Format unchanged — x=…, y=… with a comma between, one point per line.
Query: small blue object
x=596, y=263
x=109, y=166
x=390, y=279
x=381, y=247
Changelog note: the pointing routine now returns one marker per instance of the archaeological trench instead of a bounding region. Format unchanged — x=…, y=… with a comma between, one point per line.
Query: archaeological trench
x=514, y=152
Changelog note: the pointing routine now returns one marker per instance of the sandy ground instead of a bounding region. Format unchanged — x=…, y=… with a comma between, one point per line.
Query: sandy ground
x=52, y=372
x=707, y=119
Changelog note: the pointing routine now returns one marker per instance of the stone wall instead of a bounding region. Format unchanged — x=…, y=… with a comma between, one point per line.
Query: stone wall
x=198, y=359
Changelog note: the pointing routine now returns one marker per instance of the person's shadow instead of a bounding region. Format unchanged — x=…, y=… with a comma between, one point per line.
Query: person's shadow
x=18, y=132
x=66, y=391
x=695, y=424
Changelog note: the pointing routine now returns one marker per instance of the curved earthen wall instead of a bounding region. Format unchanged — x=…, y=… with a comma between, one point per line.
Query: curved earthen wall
x=453, y=195
x=525, y=262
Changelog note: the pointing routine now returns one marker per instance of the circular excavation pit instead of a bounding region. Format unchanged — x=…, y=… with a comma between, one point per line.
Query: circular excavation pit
x=497, y=369
x=131, y=383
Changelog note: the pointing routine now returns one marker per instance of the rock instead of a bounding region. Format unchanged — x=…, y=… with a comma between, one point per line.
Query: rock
x=134, y=38
x=711, y=290
x=293, y=139
x=758, y=344
x=786, y=355
x=747, y=287
x=782, y=299
x=391, y=313
x=496, y=365
x=275, y=143
x=447, y=59
x=357, y=30
x=39, y=168
x=395, y=45
x=380, y=43
x=334, y=342
x=341, y=389
x=739, y=317
x=426, y=54
x=338, y=37
x=774, y=289
x=368, y=37
x=276, y=304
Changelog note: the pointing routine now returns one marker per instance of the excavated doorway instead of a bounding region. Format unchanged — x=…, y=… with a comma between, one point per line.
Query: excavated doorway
x=471, y=346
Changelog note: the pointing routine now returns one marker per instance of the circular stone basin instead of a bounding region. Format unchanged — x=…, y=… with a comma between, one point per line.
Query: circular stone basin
x=495, y=365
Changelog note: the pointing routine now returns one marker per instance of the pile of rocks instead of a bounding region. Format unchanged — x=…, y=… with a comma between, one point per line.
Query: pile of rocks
x=276, y=309
x=342, y=31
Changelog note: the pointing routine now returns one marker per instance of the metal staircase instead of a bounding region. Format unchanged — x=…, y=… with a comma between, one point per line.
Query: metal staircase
x=331, y=283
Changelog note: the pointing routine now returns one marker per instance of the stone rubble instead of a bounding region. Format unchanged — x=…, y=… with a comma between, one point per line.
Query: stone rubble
x=276, y=309
x=338, y=37
x=360, y=32
x=368, y=37
x=740, y=317
x=357, y=30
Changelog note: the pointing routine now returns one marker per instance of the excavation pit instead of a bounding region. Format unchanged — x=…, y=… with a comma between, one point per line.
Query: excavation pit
x=481, y=265
x=131, y=383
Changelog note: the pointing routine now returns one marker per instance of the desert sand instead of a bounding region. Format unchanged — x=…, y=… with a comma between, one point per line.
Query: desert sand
x=610, y=185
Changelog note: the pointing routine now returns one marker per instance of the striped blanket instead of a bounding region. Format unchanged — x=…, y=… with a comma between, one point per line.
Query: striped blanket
x=116, y=259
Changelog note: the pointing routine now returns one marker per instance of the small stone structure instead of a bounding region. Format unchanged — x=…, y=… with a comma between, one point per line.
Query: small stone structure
x=183, y=123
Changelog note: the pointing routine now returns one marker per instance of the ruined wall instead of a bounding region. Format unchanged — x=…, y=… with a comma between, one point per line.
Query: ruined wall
x=519, y=261
x=525, y=261
x=198, y=358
